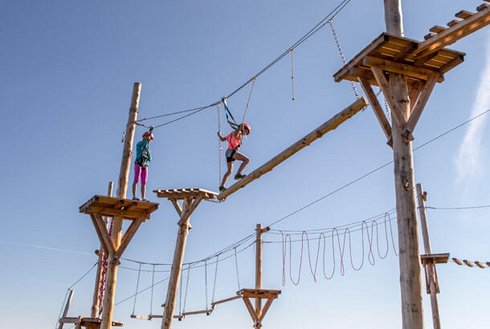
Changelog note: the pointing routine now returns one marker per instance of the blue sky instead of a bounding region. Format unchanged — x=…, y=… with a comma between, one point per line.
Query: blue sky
x=66, y=79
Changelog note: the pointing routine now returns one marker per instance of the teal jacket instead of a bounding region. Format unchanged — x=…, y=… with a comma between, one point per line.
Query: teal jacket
x=143, y=154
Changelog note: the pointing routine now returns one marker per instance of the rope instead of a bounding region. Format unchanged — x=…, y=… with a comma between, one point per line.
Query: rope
x=248, y=100
x=458, y=208
x=469, y=263
x=236, y=269
x=292, y=74
x=152, y=288
x=341, y=240
x=220, y=146
x=215, y=276
x=186, y=288
x=206, y=282
x=137, y=286
x=342, y=55
x=83, y=276
x=330, y=16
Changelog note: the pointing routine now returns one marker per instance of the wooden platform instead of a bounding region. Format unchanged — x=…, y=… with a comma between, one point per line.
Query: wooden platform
x=89, y=323
x=184, y=193
x=125, y=208
x=434, y=258
x=258, y=293
x=394, y=54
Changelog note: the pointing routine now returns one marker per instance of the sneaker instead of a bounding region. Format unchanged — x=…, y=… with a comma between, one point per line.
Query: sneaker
x=222, y=188
x=145, y=200
x=239, y=176
x=136, y=199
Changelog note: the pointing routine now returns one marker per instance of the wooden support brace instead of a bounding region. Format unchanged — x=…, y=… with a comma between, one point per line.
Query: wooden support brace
x=419, y=105
x=130, y=232
x=404, y=69
x=385, y=88
x=103, y=234
x=378, y=110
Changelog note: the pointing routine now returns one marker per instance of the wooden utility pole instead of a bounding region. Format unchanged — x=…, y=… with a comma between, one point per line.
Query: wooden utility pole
x=100, y=265
x=258, y=264
x=185, y=210
x=408, y=241
x=431, y=274
x=122, y=187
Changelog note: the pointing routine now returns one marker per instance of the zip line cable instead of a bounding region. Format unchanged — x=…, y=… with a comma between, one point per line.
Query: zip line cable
x=458, y=208
x=296, y=44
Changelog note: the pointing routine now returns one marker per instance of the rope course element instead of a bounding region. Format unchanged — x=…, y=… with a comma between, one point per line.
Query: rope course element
x=340, y=240
x=189, y=112
x=342, y=55
x=469, y=263
x=458, y=208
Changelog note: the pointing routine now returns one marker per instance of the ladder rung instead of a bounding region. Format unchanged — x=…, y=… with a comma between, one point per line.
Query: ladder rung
x=483, y=6
x=437, y=28
x=463, y=14
x=453, y=22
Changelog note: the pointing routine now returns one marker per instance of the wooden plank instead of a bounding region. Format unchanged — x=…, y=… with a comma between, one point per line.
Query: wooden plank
x=221, y=301
x=483, y=6
x=133, y=214
x=378, y=110
x=401, y=68
x=453, y=22
x=330, y=125
x=434, y=258
x=437, y=29
x=429, y=35
x=457, y=30
x=339, y=75
x=463, y=14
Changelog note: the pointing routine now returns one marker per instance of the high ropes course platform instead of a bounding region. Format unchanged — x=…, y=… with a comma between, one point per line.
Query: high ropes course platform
x=406, y=72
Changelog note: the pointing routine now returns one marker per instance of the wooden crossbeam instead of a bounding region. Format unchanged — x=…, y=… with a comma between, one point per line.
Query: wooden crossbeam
x=405, y=69
x=457, y=29
x=258, y=313
x=330, y=125
x=434, y=258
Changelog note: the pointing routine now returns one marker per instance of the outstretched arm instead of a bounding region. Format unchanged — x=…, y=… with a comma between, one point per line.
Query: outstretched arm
x=221, y=138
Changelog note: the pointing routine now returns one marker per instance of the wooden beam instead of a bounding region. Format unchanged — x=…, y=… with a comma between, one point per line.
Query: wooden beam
x=456, y=31
x=265, y=309
x=130, y=232
x=189, y=206
x=378, y=110
x=176, y=206
x=103, y=234
x=330, y=125
x=404, y=69
x=251, y=310
x=66, y=309
x=419, y=105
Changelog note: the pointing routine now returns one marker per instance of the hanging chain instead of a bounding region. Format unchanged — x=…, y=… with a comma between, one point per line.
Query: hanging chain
x=342, y=56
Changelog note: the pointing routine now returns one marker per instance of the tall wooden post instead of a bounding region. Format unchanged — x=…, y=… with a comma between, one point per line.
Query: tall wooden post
x=258, y=266
x=122, y=187
x=189, y=205
x=430, y=267
x=100, y=264
x=410, y=280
